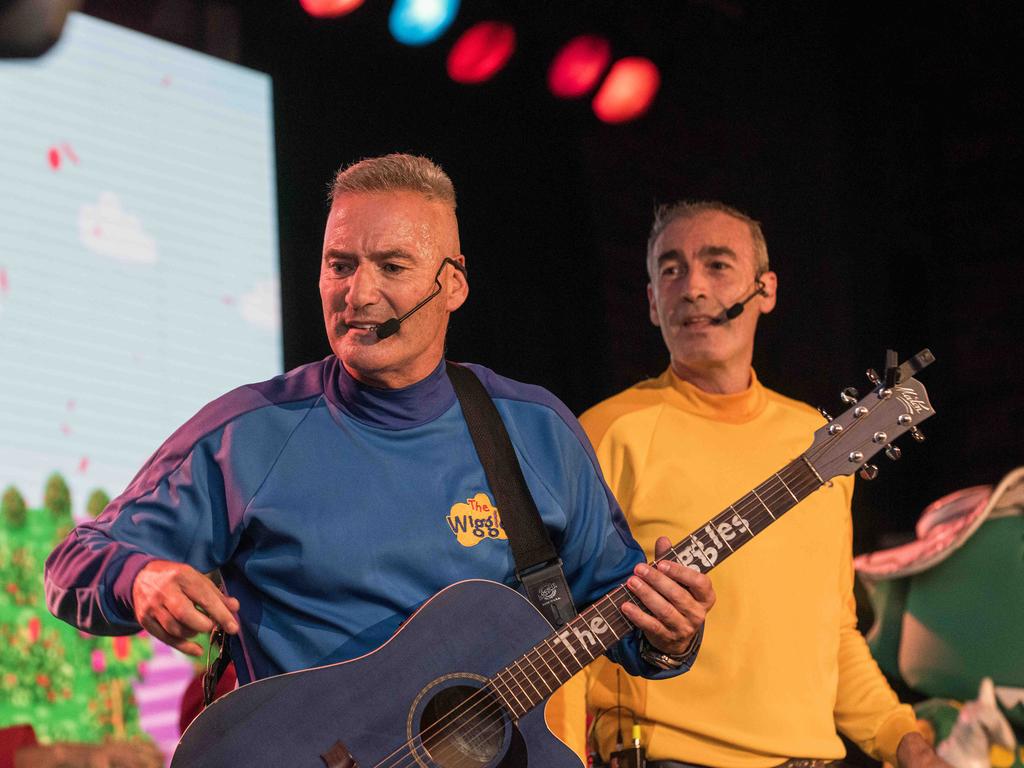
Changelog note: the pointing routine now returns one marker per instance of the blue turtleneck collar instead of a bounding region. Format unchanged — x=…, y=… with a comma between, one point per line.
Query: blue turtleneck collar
x=402, y=408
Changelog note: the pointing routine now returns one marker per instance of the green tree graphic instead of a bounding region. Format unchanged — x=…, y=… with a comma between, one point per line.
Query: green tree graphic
x=12, y=506
x=57, y=499
x=97, y=502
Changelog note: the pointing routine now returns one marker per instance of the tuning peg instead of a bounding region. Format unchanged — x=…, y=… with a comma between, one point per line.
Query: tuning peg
x=893, y=452
x=869, y=472
x=872, y=375
x=849, y=396
x=825, y=413
x=917, y=434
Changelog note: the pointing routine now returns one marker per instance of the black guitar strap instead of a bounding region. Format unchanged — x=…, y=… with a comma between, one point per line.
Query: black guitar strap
x=538, y=566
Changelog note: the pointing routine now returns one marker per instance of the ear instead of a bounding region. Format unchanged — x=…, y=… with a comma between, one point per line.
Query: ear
x=456, y=286
x=653, y=306
x=766, y=302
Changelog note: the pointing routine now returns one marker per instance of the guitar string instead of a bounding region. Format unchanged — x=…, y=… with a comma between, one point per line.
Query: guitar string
x=497, y=724
x=437, y=729
x=493, y=727
x=450, y=721
x=801, y=479
x=440, y=726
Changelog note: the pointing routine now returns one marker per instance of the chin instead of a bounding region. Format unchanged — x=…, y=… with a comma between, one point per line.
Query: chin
x=699, y=358
x=362, y=360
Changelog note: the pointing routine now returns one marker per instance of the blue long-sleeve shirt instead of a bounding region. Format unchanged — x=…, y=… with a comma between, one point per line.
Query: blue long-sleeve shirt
x=333, y=510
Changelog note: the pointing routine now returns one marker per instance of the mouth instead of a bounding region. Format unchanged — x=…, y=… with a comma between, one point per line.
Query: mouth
x=696, y=321
x=354, y=326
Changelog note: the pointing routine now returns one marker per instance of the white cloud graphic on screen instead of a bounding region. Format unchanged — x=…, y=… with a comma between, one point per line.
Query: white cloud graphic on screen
x=108, y=230
x=262, y=305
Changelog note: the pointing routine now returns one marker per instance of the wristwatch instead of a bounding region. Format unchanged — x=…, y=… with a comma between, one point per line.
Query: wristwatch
x=659, y=658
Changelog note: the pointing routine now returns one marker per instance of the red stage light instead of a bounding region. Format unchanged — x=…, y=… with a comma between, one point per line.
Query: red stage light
x=481, y=52
x=628, y=90
x=325, y=9
x=576, y=68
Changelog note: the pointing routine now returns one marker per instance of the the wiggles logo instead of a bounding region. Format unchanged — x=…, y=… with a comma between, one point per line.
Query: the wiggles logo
x=474, y=520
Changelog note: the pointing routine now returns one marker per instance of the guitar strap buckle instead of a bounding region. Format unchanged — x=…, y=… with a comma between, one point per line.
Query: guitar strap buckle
x=548, y=590
x=214, y=666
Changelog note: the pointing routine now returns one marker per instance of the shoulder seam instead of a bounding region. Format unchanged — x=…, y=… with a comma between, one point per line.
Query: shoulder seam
x=280, y=452
x=149, y=488
x=658, y=409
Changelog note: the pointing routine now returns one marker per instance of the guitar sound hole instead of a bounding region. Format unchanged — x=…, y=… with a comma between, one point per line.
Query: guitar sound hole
x=462, y=727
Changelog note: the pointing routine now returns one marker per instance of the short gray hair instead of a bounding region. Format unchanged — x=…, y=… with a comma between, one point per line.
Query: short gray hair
x=687, y=209
x=395, y=173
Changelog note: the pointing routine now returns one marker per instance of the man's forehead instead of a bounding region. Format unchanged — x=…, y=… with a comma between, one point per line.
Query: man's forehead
x=708, y=233
x=399, y=214
x=376, y=222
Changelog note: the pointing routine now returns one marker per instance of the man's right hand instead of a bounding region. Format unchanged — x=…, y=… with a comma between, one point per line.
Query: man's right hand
x=171, y=599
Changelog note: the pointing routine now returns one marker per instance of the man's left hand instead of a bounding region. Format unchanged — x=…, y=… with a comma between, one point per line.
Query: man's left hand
x=677, y=598
x=915, y=752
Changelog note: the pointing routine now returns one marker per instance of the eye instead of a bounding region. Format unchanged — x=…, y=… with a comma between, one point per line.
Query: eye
x=670, y=270
x=392, y=268
x=339, y=268
x=720, y=266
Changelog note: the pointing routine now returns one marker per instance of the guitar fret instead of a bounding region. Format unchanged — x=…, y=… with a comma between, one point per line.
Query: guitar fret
x=557, y=656
x=516, y=714
x=795, y=499
x=527, y=676
x=513, y=692
x=554, y=675
x=504, y=701
x=585, y=647
x=754, y=491
x=619, y=610
x=614, y=635
x=810, y=466
x=548, y=676
x=731, y=550
x=572, y=653
x=745, y=526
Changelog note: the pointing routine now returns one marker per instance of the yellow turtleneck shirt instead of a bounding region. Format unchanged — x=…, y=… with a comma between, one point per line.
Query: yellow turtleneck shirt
x=782, y=664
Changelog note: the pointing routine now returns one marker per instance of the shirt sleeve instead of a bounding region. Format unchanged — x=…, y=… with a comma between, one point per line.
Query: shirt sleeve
x=867, y=710
x=185, y=505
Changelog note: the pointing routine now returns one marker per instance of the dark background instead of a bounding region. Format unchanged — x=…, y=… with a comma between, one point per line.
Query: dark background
x=880, y=145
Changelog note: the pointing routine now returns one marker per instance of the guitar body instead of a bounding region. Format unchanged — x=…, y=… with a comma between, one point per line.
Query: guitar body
x=389, y=707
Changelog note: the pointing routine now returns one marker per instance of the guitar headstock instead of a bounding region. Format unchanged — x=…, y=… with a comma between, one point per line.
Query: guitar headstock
x=897, y=404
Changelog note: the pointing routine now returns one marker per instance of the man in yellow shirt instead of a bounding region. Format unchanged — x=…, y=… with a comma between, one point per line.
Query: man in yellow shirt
x=782, y=665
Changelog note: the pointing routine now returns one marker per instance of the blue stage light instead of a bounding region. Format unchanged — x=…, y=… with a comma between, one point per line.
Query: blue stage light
x=418, y=22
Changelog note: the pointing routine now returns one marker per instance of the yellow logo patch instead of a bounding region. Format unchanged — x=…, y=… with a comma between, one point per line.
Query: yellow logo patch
x=474, y=520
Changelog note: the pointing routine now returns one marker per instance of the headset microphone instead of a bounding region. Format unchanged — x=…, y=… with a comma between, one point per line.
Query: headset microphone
x=390, y=327
x=737, y=309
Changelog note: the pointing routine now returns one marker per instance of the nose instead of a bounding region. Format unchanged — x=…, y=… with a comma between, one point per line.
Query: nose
x=363, y=289
x=694, y=285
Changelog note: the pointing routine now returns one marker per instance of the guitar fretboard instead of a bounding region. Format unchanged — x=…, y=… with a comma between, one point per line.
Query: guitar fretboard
x=535, y=675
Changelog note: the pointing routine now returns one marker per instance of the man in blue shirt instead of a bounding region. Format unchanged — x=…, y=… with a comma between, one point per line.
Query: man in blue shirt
x=337, y=498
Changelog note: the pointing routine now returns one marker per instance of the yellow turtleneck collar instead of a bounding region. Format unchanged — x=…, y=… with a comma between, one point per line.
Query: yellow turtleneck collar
x=735, y=408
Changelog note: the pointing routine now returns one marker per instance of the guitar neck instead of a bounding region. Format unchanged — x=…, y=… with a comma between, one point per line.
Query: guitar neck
x=533, y=677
